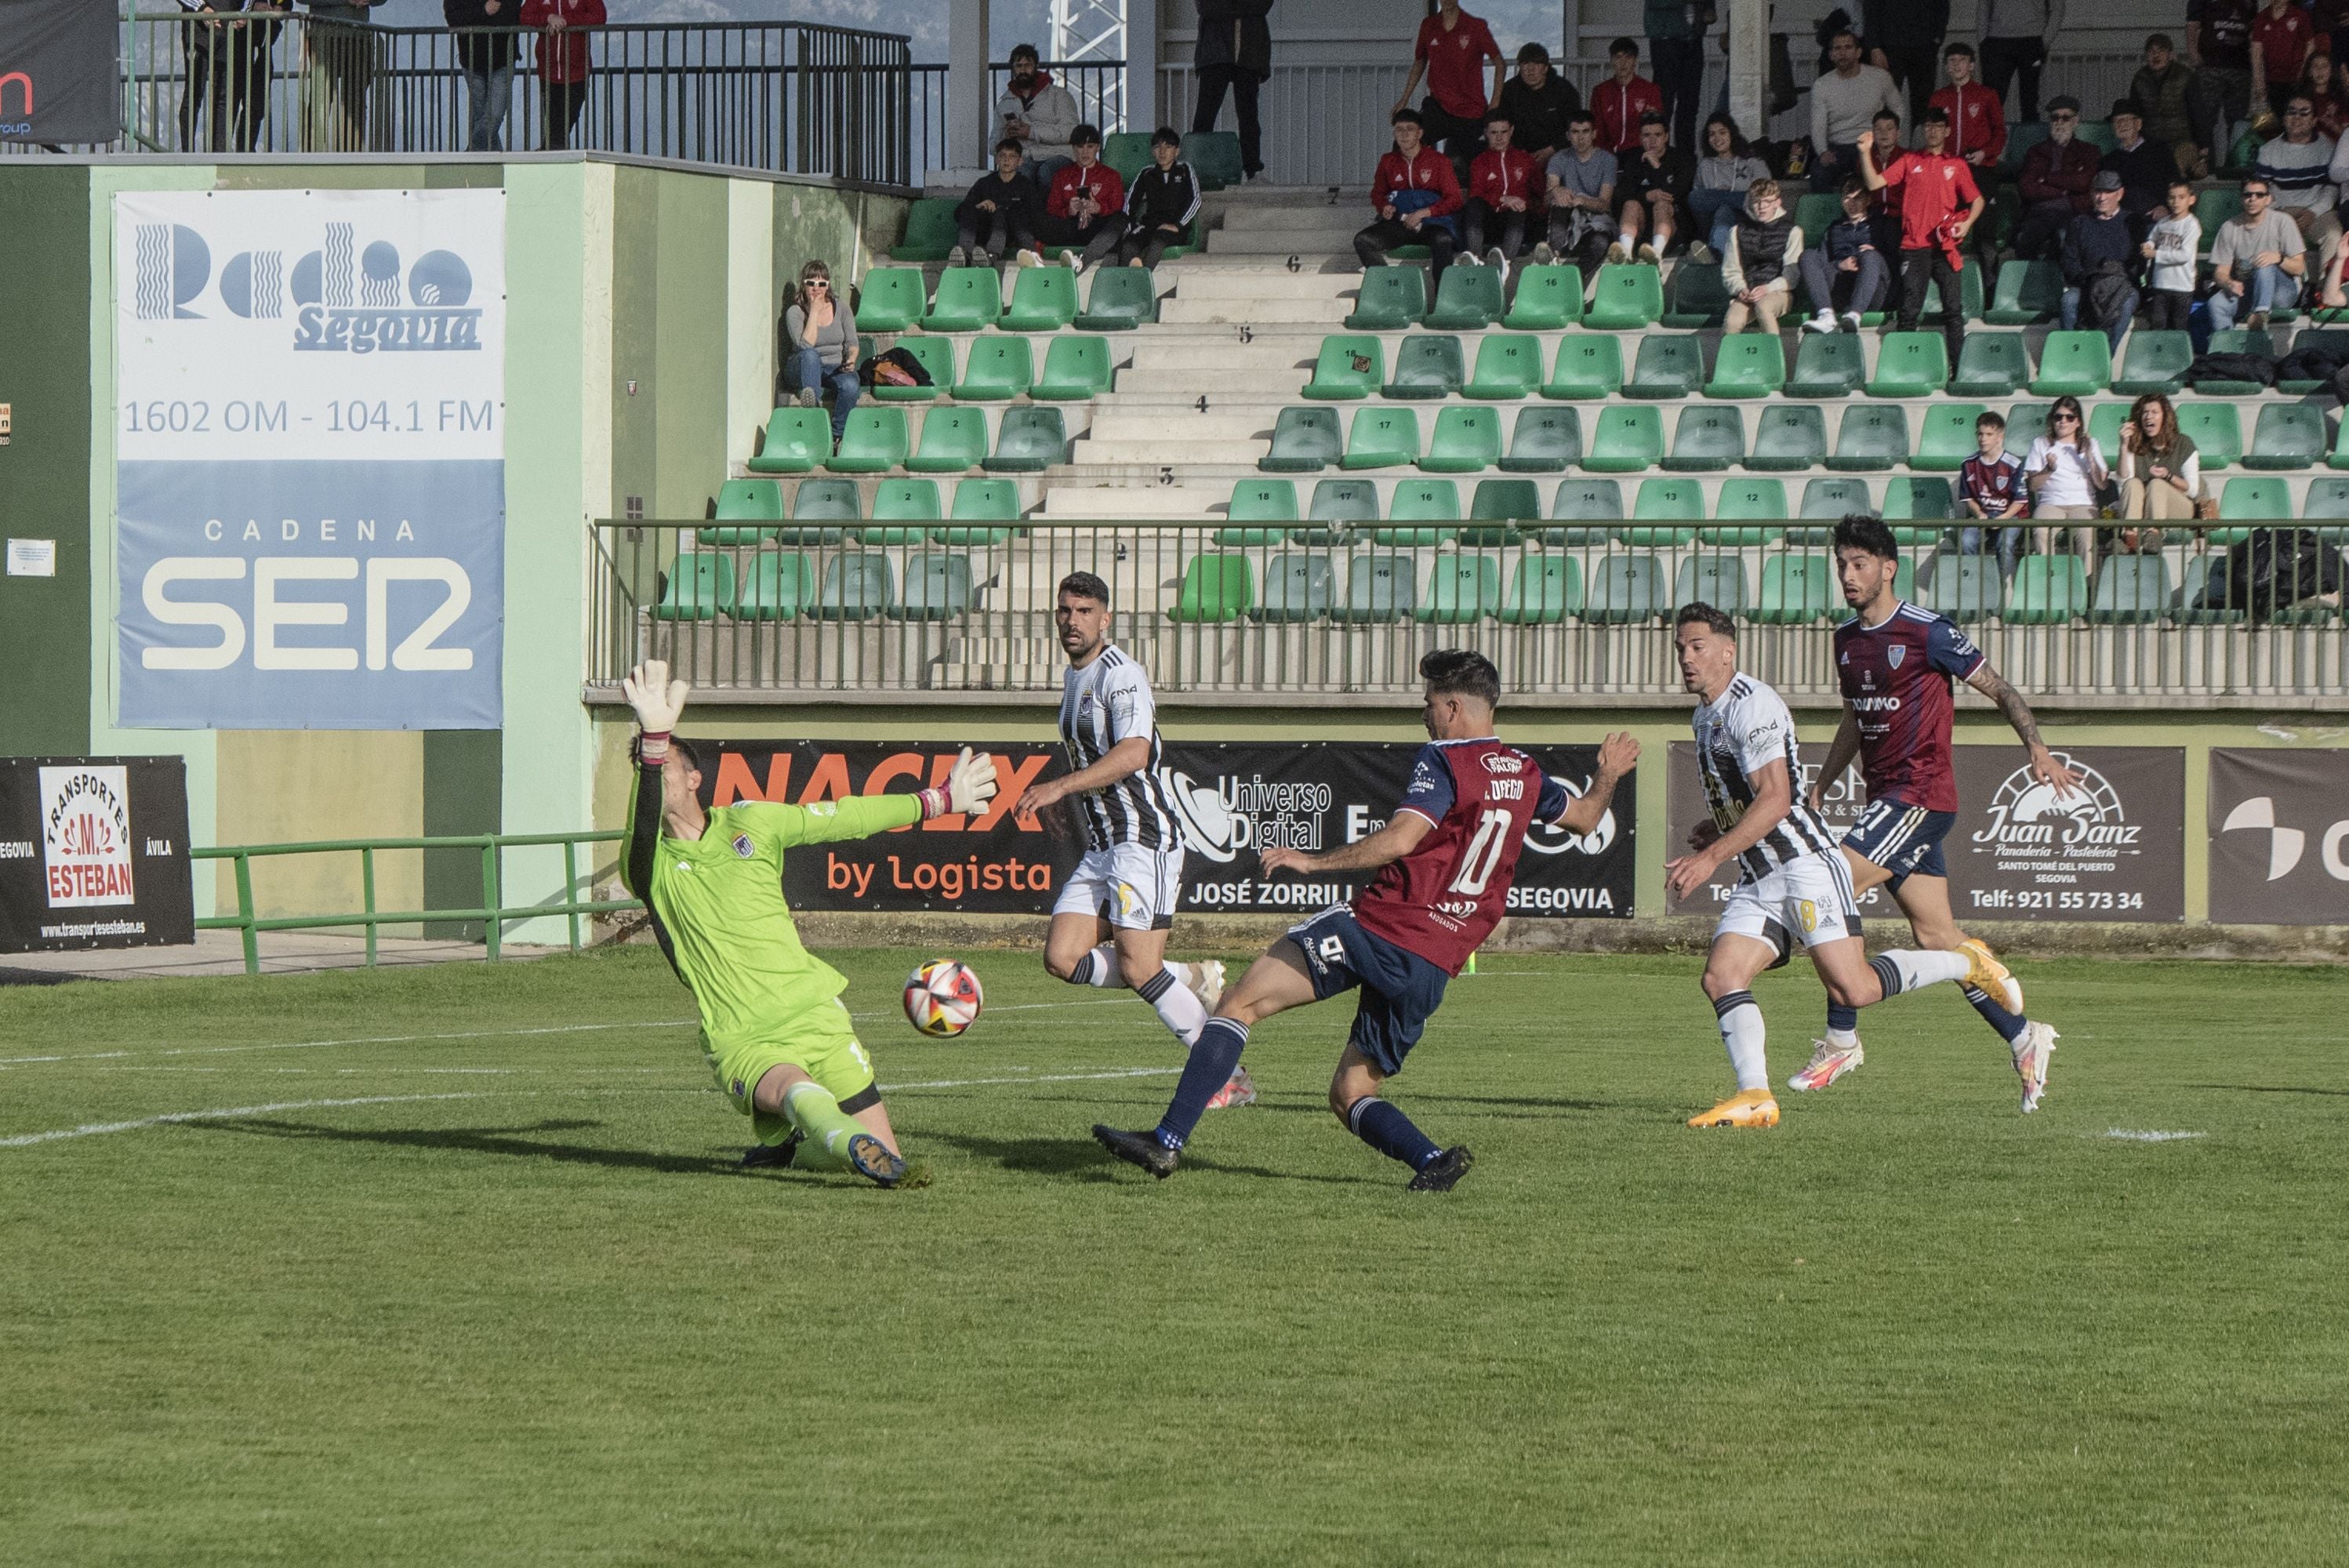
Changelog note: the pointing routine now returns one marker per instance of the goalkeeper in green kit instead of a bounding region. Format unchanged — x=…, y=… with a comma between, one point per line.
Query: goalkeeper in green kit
x=773, y=1027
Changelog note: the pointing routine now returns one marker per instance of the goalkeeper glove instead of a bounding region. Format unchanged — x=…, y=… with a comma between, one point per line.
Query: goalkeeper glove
x=660, y=702
x=970, y=784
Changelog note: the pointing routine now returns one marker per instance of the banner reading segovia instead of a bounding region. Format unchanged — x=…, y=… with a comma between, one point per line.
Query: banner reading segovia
x=1231, y=800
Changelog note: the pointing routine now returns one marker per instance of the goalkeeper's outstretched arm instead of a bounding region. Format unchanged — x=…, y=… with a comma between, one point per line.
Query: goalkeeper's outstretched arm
x=970, y=784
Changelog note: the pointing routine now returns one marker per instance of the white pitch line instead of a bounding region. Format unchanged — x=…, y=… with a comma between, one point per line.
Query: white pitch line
x=2135, y=1137
x=92, y=1130
x=1045, y=1078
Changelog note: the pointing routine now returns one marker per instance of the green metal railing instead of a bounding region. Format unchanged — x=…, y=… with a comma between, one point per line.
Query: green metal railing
x=493, y=913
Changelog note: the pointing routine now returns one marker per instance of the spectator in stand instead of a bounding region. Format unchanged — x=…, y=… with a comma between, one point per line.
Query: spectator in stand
x=2281, y=38
x=1846, y=275
x=486, y=60
x=2298, y=166
x=1724, y=181
x=2170, y=251
x=340, y=60
x=1084, y=215
x=1038, y=113
x=1160, y=204
x=1904, y=38
x=1581, y=197
x=1990, y=487
x=2321, y=84
x=1977, y=117
x=1884, y=206
x=2163, y=92
x=228, y=69
x=1940, y=204
x=1233, y=52
x=1757, y=265
x=2100, y=260
x=2064, y=470
x=1649, y=195
x=1538, y=102
x=1415, y=196
x=822, y=331
x=1845, y=101
x=2014, y=37
x=2056, y=175
x=2160, y=471
x=2257, y=259
x=562, y=61
x=1623, y=101
x=997, y=214
x=1504, y=198
x=2145, y=169
x=2218, y=47
x=2332, y=19
x=1676, y=30
x=1451, y=52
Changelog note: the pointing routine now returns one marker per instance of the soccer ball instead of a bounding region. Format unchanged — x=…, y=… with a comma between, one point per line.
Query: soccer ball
x=943, y=998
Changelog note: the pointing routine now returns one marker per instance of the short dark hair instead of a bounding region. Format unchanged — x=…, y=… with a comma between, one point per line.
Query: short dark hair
x=1651, y=118
x=1853, y=185
x=1883, y=114
x=1166, y=136
x=1406, y=117
x=1085, y=136
x=1581, y=117
x=681, y=747
x=1533, y=52
x=1843, y=32
x=1011, y=144
x=1959, y=47
x=1989, y=419
x=1624, y=46
x=2160, y=39
x=1866, y=530
x=1462, y=672
x=1697, y=613
x=2262, y=181
x=1501, y=117
x=1086, y=585
x=1026, y=51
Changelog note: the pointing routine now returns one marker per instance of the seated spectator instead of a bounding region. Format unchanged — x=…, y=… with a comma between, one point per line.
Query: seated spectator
x=2064, y=470
x=997, y=214
x=2281, y=38
x=1847, y=273
x=1038, y=114
x=1758, y=260
x=2056, y=175
x=1538, y=102
x=1845, y=101
x=2100, y=265
x=1624, y=100
x=2163, y=92
x=1990, y=487
x=1504, y=196
x=1085, y=212
x=1977, y=119
x=822, y=332
x=2160, y=473
x=2297, y=167
x=2257, y=259
x=2171, y=249
x=1650, y=193
x=1940, y=205
x=2321, y=85
x=1161, y=203
x=1581, y=198
x=1724, y=178
x=1415, y=197
x=1451, y=52
x=2145, y=169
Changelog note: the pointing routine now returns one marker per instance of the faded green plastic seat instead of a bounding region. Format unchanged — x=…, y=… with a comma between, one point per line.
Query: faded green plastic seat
x=2021, y=139
x=1546, y=440
x=1715, y=580
x=1910, y=364
x=1825, y=498
x=930, y=232
x=1467, y=299
x=2256, y=501
x=2154, y=362
x=1625, y=440
x=1427, y=365
x=1304, y=440
x=1029, y=440
x=697, y=586
x=937, y=357
x=1828, y=365
x=1788, y=436
x=968, y=299
x=744, y=501
x=892, y=299
x=857, y=586
x=1949, y=438
x=2328, y=499
x=1991, y=365
x=1548, y=298
x=1216, y=589
x=773, y=586
x=1297, y=586
x=1965, y=588
x=1796, y=589
x=2289, y=436
x=2104, y=426
x=1696, y=297
x=1906, y=496
x=1346, y=503
x=1509, y=367
x=1421, y=502
x=1624, y=588
x=2049, y=590
x=1465, y=439
x=984, y=501
x=936, y=587
x=1120, y=299
x=1585, y=501
x=2079, y=363
x=953, y=440
x=1076, y=369
x=1748, y=502
x=1380, y=587
x=1707, y=439
x=1544, y=589
x=826, y=500
x=1258, y=502
x=1671, y=365
x=1672, y=503
x=1627, y=297
x=2332, y=340
x=897, y=503
x=1213, y=156
x=1501, y=501
x=873, y=441
x=1589, y=366
x=1127, y=151
x=2215, y=431
x=2214, y=206
x=1462, y=589
x=1382, y=438
x=1348, y=367
x=1389, y=299
x=2129, y=589
x=2028, y=292
x=797, y=440
x=998, y=368
x=1871, y=439
x=1750, y=365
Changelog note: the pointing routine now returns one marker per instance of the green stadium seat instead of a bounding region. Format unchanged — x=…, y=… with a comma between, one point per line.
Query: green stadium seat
x=873, y=441
x=1304, y=441
x=1829, y=365
x=1380, y=587
x=2130, y=589
x=937, y=357
x=1749, y=364
x=982, y=501
x=953, y=440
x=1030, y=440
x=1991, y=365
x=1796, y=590
x=1502, y=501
x=2327, y=501
x=797, y=440
x=1548, y=298
x=1467, y=299
x=1707, y=439
x=897, y=503
x=1965, y=588
x=968, y=299
x=1421, y=502
x=1587, y=501
x=2215, y=431
x=1389, y=300
x=773, y=585
x=1216, y=589
x=1906, y=497
x=2048, y=590
x=1834, y=498
x=2259, y=341
x=1076, y=369
x=1043, y=299
x=1348, y=367
x=1213, y=156
x=1750, y=502
x=1547, y=440
x=1696, y=297
x=1465, y=439
x=2255, y=501
x=1815, y=211
x=892, y=299
x=1628, y=297
x=1462, y=589
x=1871, y=439
x=1427, y=365
x=936, y=588
x=1625, y=440
x=2289, y=437
x=930, y=231
x=1382, y=438
x=2023, y=421
x=2207, y=572
x=1910, y=364
x=1264, y=500
x=826, y=500
x=2028, y=292
x=1788, y=436
x=742, y=500
x=2079, y=363
x=1624, y=588
x=1127, y=151
x=1588, y=367
x=2214, y=206
x=1509, y=367
x=1671, y=365
x=1715, y=580
x=857, y=586
x=694, y=588
x=1949, y=438
x=1296, y=587
x=1544, y=589
x=998, y=368
x=1667, y=501
x=1121, y=299
x=2154, y=362
x=2099, y=134
x=1344, y=502
x=2020, y=140
x=2332, y=341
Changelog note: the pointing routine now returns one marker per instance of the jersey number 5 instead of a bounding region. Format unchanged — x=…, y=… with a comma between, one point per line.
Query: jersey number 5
x=1483, y=854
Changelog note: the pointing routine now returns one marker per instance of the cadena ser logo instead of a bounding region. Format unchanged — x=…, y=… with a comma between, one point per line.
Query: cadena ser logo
x=85, y=835
x=2028, y=818
x=350, y=295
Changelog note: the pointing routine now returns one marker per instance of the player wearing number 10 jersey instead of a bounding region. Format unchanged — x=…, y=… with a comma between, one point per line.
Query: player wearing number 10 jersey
x=1444, y=862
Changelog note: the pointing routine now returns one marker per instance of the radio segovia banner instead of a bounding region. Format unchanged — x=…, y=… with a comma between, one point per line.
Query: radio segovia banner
x=1229, y=800
x=310, y=458
x=94, y=854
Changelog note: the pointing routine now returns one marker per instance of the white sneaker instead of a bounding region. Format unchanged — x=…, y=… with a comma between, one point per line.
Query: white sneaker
x=1649, y=253
x=1851, y=321
x=1543, y=255
x=1207, y=981
x=1823, y=322
x=1028, y=259
x=2031, y=1050
x=1619, y=253
x=1499, y=263
x=956, y=256
x=1829, y=1062
x=1068, y=259
x=806, y=397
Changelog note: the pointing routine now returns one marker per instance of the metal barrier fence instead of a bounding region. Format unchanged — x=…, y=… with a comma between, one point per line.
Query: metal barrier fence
x=493, y=911
x=1329, y=611
x=1098, y=86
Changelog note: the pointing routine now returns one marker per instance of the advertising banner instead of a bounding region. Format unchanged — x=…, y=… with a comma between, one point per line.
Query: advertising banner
x=94, y=854
x=1232, y=800
x=59, y=80
x=2279, y=826
x=310, y=458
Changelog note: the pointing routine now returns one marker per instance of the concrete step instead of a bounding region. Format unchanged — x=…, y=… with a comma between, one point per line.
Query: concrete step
x=1299, y=209
x=1181, y=422
x=1224, y=354
x=1258, y=283
x=1329, y=314
x=1186, y=384
x=1182, y=456
x=1310, y=246
x=1108, y=502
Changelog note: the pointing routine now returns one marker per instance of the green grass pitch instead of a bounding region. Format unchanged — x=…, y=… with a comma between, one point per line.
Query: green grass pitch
x=472, y=1277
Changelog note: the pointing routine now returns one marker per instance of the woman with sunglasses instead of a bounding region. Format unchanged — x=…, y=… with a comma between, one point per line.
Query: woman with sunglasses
x=2064, y=470
x=823, y=334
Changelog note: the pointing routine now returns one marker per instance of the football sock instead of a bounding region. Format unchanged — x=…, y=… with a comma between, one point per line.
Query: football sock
x=814, y=1111
x=1902, y=970
x=1741, y=1032
x=2010, y=1026
x=1179, y=1007
x=1098, y=968
x=1390, y=1133
x=1841, y=1022
x=1212, y=1056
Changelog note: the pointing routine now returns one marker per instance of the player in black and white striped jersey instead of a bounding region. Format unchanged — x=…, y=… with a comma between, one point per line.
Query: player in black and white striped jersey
x=1111, y=922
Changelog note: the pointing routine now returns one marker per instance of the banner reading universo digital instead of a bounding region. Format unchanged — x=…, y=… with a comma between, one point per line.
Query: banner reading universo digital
x=310, y=458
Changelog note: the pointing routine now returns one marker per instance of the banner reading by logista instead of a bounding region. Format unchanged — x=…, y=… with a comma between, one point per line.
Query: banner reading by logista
x=94, y=854
x=1233, y=800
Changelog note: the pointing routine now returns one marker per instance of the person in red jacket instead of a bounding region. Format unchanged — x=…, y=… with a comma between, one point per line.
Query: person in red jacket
x=562, y=61
x=1451, y=52
x=1086, y=203
x=1977, y=119
x=1940, y=204
x=2056, y=175
x=1504, y=196
x=1624, y=99
x=1416, y=197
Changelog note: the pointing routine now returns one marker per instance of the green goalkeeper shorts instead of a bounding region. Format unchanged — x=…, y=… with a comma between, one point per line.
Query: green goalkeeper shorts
x=820, y=1042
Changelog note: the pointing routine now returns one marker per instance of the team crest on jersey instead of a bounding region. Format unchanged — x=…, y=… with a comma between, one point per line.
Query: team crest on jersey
x=1895, y=653
x=742, y=846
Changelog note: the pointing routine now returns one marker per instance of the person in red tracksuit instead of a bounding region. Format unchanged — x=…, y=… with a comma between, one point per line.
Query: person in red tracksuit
x=1504, y=196
x=1086, y=203
x=1940, y=204
x=1977, y=119
x=1415, y=195
x=1623, y=100
x=562, y=61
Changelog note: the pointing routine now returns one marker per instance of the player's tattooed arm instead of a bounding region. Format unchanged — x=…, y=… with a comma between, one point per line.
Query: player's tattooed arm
x=1617, y=755
x=1844, y=747
x=2044, y=768
x=1402, y=835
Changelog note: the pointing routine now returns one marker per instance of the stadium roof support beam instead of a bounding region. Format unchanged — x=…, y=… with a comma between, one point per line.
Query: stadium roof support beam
x=968, y=103
x=1749, y=61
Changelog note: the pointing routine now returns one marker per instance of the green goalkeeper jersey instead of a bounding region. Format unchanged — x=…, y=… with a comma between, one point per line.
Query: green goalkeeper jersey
x=718, y=903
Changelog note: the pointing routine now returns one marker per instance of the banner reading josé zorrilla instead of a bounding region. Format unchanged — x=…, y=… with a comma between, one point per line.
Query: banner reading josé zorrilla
x=310, y=458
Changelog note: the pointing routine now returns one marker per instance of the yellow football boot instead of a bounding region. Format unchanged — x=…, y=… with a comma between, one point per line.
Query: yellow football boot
x=1986, y=973
x=1748, y=1108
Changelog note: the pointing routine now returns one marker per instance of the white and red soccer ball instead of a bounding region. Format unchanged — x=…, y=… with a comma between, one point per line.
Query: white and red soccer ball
x=943, y=998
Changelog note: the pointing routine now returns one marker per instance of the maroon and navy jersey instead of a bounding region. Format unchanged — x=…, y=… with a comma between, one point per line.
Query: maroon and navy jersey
x=1441, y=900
x=1896, y=675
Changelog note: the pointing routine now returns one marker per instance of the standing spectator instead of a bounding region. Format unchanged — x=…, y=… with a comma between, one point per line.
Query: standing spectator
x=1235, y=52
x=1990, y=487
x=1724, y=178
x=338, y=74
x=1977, y=117
x=2145, y=169
x=1940, y=204
x=2160, y=471
x=2014, y=37
x=2320, y=83
x=1846, y=275
x=2297, y=167
x=822, y=331
x=2332, y=19
x=2218, y=47
x=2056, y=175
x=1623, y=101
x=2281, y=38
x=2262, y=243
x=1904, y=38
x=1676, y=30
x=486, y=58
x=1844, y=102
x=1160, y=203
x=1504, y=196
x=1581, y=203
x=997, y=214
x=1085, y=212
x=562, y=61
x=2064, y=468
x=228, y=64
x=1451, y=52
x=1650, y=194
x=2163, y=91
x=1757, y=266
x=2171, y=249
x=1038, y=113
x=1884, y=206
x=1414, y=195
x=2100, y=265
x=1538, y=102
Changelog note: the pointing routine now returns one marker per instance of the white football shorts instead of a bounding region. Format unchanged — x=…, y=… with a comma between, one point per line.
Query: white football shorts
x=1810, y=898
x=1132, y=887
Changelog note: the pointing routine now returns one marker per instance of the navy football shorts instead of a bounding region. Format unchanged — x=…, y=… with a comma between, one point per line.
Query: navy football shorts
x=1399, y=990
x=1904, y=839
